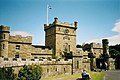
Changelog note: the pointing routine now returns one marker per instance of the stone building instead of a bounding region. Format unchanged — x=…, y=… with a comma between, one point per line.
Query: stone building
x=20, y=47
x=60, y=37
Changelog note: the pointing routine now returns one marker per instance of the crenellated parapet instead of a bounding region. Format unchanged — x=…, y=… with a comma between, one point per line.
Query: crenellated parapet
x=96, y=45
x=41, y=51
x=4, y=29
x=20, y=39
x=59, y=23
x=14, y=62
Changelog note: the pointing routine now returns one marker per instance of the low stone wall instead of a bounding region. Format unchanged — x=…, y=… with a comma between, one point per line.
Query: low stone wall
x=50, y=68
x=111, y=64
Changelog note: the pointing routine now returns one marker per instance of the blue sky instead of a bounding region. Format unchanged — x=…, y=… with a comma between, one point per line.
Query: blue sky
x=97, y=19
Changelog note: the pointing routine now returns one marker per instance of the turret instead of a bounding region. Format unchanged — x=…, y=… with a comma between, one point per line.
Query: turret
x=105, y=46
x=4, y=37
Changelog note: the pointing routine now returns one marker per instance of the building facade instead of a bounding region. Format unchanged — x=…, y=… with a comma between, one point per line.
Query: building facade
x=60, y=38
x=20, y=47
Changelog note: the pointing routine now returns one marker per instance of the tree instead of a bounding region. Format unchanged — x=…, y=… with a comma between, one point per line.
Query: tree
x=114, y=53
x=79, y=46
x=7, y=74
x=30, y=72
x=68, y=55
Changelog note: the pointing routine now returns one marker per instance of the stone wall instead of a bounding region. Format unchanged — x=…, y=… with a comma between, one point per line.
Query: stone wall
x=50, y=68
x=40, y=52
x=111, y=64
x=24, y=51
x=20, y=39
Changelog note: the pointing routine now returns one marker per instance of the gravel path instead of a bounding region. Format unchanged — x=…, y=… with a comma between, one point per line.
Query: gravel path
x=112, y=75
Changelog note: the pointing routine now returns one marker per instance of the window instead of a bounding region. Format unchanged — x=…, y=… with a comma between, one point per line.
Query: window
x=64, y=70
x=77, y=64
x=17, y=47
x=66, y=47
x=17, y=55
x=3, y=46
x=3, y=36
x=56, y=69
x=66, y=37
x=47, y=70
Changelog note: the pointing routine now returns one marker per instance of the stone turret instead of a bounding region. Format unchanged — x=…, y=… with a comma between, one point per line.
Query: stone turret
x=4, y=37
x=105, y=43
x=105, y=52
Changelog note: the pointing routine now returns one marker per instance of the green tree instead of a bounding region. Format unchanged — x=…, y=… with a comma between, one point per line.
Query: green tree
x=30, y=72
x=68, y=55
x=7, y=74
x=79, y=46
x=114, y=53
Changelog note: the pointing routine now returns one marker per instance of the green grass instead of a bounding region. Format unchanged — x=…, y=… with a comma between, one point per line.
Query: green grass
x=94, y=76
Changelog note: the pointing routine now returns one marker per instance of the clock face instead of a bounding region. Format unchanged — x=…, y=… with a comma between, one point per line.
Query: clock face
x=66, y=31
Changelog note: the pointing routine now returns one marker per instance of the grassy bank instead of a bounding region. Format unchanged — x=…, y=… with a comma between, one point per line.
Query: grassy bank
x=94, y=76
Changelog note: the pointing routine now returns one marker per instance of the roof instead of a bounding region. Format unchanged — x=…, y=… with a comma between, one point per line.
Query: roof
x=39, y=46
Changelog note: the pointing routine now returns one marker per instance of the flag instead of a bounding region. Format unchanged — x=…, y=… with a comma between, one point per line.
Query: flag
x=49, y=7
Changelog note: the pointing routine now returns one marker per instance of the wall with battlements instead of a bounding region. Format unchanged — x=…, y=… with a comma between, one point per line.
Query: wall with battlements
x=41, y=51
x=20, y=39
x=50, y=68
x=19, y=46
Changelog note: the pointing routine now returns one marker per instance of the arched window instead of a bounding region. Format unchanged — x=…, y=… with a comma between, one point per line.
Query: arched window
x=66, y=47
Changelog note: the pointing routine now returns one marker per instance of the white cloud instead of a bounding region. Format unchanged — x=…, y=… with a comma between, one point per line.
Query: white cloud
x=113, y=40
x=117, y=27
x=23, y=34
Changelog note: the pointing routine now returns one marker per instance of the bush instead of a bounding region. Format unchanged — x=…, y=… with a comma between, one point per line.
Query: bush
x=30, y=72
x=7, y=74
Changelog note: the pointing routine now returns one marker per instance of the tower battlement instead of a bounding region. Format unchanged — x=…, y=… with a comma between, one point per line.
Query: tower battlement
x=4, y=28
x=19, y=38
x=10, y=62
x=59, y=23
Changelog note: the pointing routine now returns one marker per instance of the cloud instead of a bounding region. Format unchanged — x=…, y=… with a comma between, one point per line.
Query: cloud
x=113, y=40
x=23, y=34
x=117, y=27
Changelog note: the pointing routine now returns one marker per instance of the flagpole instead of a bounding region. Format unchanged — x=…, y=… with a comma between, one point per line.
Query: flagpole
x=47, y=15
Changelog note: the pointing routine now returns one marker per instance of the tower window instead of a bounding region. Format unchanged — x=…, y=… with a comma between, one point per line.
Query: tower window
x=3, y=46
x=17, y=55
x=17, y=47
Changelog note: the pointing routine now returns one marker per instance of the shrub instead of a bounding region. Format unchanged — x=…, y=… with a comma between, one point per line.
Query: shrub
x=30, y=72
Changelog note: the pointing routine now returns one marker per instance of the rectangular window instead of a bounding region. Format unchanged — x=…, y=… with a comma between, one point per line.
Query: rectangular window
x=17, y=47
x=77, y=64
x=3, y=46
x=17, y=55
x=3, y=36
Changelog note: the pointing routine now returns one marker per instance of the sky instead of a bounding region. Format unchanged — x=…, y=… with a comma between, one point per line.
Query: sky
x=97, y=19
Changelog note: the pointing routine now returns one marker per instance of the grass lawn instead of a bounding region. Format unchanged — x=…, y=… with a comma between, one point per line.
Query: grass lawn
x=94, y=76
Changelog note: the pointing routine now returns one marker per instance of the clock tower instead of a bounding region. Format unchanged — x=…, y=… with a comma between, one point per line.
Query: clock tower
x=61, y=36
